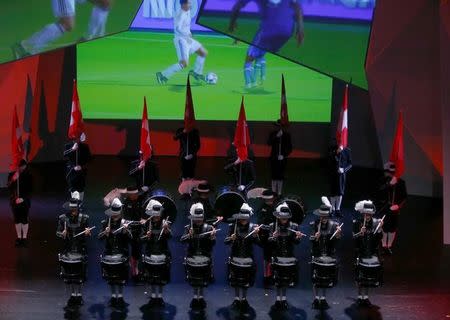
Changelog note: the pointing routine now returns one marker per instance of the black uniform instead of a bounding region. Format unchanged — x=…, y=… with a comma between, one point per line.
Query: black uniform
x=73, y=225
x=189, y=144
x=336, y=161
x=76, y=180
x=324, y=246
x=284, y=244
x=150, y=175
x=367, y=245
x=279, y=146
x=388, y=196
x=20, y=211
x=133, y=211
x=198, y=245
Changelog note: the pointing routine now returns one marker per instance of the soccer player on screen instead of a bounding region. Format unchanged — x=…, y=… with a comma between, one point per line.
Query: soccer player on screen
x=64, y=12
x=280, y=20
x=185, y=46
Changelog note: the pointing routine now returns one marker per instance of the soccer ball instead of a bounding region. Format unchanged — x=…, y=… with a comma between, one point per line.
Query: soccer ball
x=211, y=78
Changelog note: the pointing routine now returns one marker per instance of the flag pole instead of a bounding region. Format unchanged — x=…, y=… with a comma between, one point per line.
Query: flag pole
x=240, y=173
x=18, y=183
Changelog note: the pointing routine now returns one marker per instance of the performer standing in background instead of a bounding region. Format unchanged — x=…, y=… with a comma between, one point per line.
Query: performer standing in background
x=285, y=235
x=20, y=188
x=189, y=146
x=242, y=172
x=392, y=198
x=281, y=148
x=156, y=234
x=241, y=266
x=145, y=173
x=133, y=212
x=200, y=238
x=339, y=162
x=77, y=155
x=325, y=233
x=73, y=229
x=367, y=235
x=265, y=217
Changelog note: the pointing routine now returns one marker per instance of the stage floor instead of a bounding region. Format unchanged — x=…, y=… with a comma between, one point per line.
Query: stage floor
x=417, y=276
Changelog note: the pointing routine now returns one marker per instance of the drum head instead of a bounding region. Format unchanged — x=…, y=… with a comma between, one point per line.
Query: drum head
x=325, y=260
x=169, y=206
x=295, y=203
x=242, y=262
x=198, y=260
x=228, y=201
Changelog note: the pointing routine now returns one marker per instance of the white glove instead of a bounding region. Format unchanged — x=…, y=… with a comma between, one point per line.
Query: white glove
x=280, y=157
x=279, y=133
x=188, y=157
x=394, y=207
x=341, y=170
x=144, y=188
x=75, y=146
x=19, y=200
x=393, y=181
x=77, y=168
x=241, y=188
x=141, y=165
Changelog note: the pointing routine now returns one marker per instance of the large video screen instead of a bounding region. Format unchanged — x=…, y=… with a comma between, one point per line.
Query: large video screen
x=330, y=36
x=116, y=72
x=33, y=26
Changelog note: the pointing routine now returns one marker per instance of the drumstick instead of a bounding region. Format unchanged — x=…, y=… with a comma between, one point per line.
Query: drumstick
x=295, y=231
x=82, y=232
x=208, y=232
x=379, y=224
x=162, y=227
x=124, y=225
x=336, y=231
x=253, y=231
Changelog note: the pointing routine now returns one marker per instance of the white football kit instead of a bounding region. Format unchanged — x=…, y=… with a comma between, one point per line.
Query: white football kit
x=184, y=43
x=65, y=8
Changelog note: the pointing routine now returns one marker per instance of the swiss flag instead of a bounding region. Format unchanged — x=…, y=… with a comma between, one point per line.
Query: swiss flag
x=189, y=115
x=342, y=128
x=76, y=127
x=284, y=118
x=145, y=148
x=397, y=154
x=16, y=142
x=241, y=135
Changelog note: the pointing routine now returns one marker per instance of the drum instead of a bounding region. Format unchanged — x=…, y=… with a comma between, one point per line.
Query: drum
x=114, y=268
x=297, y=207
x=198, y=270
x=72, y=267
x=241, y=272
x=284, y=271
x=168, y=204
x=324, y=272
x=156, y=269
x=228, y=201
x=369, y=272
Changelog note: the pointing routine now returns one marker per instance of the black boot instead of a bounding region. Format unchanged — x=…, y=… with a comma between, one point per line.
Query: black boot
x=202, y=303
x=18, y=242
x=324, y=304
x=316, y=304
x=284, y=305
x=244, y=304
x=160, y=302
x=236, y=303
x=278, y=305
x=194, y=304
x=72, y=301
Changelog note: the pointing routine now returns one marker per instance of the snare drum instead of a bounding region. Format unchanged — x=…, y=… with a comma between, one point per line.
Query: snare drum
x=369, y=272
x=114, y=268
x=156, y=269
x=228, y=201
x=241, y=272
x=72, y=267
x=285, y=272
x=324, y=272
x=198, y=270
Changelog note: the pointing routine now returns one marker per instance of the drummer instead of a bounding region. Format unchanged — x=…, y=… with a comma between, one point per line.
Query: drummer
x=157, y=233
x=204, y=191
x=145, y=173
x=71, y=224
x=367, y=232
x=200, y=238
x=284, y=236
x=265, y=217
x=133, y=212
x=116, y=243
x=325, y=233
x=241, y=236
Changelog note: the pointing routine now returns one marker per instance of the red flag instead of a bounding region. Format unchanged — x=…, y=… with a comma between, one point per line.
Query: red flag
x=397, y=154
x=284, y=118
x=16, y=142
x=241, y=135
x=76, y=127
x=342, y=128
x=145, y=148
x=189, y=115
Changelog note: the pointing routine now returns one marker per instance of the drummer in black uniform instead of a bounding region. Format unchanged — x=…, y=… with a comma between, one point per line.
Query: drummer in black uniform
x=339, y=163
x=145, y=173
x=73, y=229
x=189, y=147
x=392, y=194
x=133, y=212
x=281, y=148
x=116, y=248
x=20, y=187
x=367, y=234
x=242, y=235
x=284, y=236
x=265, y=217
x=200, y=238
x=77, y=155
x=325, y=233
x=157, y=255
